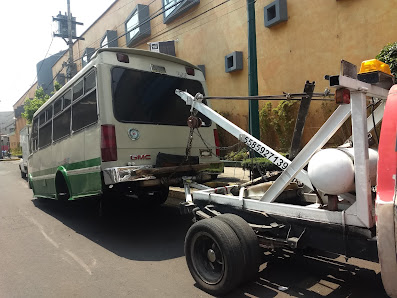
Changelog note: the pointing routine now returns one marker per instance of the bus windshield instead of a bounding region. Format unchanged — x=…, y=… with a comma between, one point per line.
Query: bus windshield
x=146, y=97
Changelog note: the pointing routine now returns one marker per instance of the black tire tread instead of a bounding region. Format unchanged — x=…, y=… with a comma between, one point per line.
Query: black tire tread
x=229, y=244
x=249, y=243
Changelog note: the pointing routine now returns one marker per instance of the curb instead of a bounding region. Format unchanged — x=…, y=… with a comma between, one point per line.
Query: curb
x=10, y=159
x=231, y=163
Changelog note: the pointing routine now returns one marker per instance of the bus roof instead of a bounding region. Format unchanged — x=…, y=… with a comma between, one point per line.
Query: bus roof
x=146, y=53
x=120, y=50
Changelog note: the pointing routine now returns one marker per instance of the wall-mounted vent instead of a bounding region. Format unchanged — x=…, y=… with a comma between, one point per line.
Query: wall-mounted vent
x=234, y=61
x=165, y=47
x=275, y=13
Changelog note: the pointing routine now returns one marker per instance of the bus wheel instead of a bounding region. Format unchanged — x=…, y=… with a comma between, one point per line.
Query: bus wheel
x=157, y=195
x=249, y=243
x=61, y=187
x=214, y=257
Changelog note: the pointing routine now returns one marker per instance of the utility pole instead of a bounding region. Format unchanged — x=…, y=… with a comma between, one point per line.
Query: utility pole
x=253, y=113
x=71, y=64
x=67, y=31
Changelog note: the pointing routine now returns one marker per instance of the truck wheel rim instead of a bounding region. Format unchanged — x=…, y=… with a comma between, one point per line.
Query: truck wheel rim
x=207, y=258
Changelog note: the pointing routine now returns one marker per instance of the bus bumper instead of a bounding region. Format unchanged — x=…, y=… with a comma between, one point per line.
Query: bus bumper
x=116, y=175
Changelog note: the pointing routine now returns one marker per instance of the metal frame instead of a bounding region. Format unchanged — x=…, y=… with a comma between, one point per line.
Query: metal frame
x=360, y=213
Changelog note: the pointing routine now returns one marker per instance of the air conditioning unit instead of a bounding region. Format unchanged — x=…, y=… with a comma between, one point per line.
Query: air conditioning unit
x=165, y=47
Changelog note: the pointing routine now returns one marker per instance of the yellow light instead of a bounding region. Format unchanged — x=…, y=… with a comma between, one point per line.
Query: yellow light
x=374, y=65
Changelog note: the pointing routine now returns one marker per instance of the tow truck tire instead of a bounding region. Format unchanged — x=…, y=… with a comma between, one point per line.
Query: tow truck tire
x=23, y=175
x=249, y=243
x=214, y=257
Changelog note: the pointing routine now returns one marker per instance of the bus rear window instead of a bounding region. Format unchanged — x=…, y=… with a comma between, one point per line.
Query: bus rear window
x=145, y=97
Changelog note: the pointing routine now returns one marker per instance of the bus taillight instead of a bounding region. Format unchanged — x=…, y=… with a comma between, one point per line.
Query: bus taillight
x=108, y=143
x=217, y=143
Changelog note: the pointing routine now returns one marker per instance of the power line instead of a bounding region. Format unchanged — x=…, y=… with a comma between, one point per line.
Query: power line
x=187, y=21
x=41, y=65
x=152, y=17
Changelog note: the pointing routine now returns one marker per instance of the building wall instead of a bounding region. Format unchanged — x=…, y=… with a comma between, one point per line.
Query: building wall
x=20, y=122
x=317, y=35
x=6, y=121
x=44, y=72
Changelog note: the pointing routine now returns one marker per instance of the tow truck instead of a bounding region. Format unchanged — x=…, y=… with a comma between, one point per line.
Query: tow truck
x=341, y=200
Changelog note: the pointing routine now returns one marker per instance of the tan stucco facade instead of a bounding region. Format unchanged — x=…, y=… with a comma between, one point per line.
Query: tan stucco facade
x=20, y=122
x=317, y=35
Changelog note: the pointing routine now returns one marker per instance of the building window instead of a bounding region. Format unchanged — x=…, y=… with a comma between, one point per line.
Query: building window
x=109, y=40
x=132, y=23
x=137, y=25
x=104, y=42
x=87, y=56
x=172, y=10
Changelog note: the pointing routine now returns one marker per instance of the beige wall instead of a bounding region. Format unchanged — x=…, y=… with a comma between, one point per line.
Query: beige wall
x=20, y=122
x=317, y=35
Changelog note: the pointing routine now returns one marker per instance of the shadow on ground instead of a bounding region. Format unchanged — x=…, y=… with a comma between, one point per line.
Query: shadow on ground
x=127, y=229
x=312, y=275
x=142, y=233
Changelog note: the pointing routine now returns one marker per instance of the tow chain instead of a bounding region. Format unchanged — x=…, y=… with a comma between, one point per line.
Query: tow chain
x=193, y=122
x=189, y=143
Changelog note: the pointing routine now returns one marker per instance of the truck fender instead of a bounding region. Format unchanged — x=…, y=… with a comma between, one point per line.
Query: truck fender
x=61, y=170
x=386, y=203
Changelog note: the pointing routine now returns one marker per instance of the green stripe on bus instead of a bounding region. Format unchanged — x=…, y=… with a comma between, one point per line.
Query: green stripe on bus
x=72, y=166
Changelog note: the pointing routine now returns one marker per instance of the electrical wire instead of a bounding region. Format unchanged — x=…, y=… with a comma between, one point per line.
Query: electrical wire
x=155, y=15
x=159, y=12
x=41, y=65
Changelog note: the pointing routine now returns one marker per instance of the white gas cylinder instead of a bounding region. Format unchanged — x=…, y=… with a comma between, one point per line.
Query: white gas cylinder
x=332, y=170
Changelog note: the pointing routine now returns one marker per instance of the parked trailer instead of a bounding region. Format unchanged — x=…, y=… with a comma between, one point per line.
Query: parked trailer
x=323, y=199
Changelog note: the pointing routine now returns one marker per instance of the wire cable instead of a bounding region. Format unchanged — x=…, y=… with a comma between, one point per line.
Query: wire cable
x=41, y=65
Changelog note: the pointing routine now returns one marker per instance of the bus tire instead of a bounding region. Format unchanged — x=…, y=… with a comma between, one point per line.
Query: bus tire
x=249, y=243
x=61, y=187
x=214, y=257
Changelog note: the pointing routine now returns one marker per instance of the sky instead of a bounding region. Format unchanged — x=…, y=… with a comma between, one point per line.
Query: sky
x=26, y=29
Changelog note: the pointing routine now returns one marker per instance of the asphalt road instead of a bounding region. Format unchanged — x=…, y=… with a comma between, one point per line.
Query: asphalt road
x=50, y=250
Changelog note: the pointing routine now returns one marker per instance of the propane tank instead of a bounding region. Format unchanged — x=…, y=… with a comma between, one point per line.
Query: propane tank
x=332, y=170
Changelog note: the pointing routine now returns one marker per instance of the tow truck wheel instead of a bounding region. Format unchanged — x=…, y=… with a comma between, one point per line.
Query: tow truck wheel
x=214, y=256
x=249, y=243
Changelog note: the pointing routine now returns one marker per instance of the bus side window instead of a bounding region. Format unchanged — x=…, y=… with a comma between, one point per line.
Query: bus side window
x=48, y=113
x=89, y=82
x=57, y=106
x=84, y=111
x=61, y=124
x=77, y=90
x=42, y=118
x=67, y=99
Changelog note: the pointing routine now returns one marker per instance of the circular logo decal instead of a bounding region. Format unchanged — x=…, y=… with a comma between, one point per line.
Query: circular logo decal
x=133, y=134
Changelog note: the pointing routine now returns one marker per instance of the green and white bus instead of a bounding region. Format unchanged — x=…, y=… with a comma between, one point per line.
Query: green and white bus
x=118, y=127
